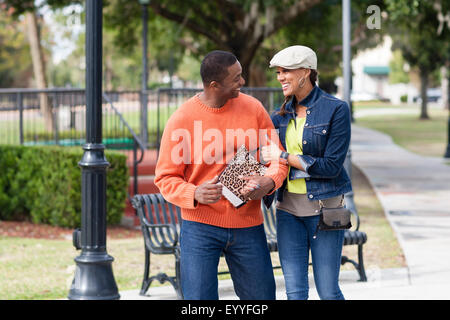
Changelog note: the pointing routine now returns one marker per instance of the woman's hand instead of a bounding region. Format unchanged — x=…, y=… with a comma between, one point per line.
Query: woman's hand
x=270, y=152
x=256, y=186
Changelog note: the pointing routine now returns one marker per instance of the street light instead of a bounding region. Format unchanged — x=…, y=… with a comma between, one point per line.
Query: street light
x=144, y=98
x=346, y=61
x=94, y=279
x=447, y=152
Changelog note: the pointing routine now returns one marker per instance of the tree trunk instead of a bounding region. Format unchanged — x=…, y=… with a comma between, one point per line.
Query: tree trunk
x=423, y=93
x=445, y=86
x=242, y=31
x=108, y=72
x=39, y=67
x=245, y=56
x=257, y=77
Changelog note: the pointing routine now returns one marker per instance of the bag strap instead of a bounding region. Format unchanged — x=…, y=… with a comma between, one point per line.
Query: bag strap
x=342, y=202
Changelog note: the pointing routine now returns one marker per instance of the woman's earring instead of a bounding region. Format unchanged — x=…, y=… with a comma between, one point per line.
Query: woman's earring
x=302, y=84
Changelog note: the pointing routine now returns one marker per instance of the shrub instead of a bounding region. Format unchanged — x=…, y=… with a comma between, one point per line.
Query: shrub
x=44, y=184
x=10, y=205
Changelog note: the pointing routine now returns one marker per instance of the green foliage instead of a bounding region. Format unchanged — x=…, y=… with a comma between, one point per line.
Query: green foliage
x=320, y=28
x=9, y=204
x=418, y=34
x=397, y=74
x=415, y=25
x=15, y=60
x=253, y=30
x=44, y=183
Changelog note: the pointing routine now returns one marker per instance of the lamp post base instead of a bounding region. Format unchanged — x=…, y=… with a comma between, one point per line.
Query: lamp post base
x=94, y=279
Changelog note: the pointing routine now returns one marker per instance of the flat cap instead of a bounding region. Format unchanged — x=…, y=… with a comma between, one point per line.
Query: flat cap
x=295, y=57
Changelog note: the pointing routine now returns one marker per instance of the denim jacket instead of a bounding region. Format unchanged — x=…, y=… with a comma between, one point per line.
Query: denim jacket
x=326, y=139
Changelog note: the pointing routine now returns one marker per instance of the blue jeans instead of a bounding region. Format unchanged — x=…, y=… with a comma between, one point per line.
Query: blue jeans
x=295, y=239
x=246, y=254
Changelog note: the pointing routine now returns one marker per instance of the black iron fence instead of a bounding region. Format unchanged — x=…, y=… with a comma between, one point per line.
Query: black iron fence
x=169, y=99
x=58, y=116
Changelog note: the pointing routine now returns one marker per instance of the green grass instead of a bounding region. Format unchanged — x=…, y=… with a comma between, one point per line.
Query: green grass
x=425, y=137
x=44, y=269
x=34, y=269
x=379, y=104
x=382, y=249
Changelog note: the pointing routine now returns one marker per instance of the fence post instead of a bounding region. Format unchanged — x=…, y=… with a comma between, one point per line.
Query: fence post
x=157, y=121
x=20, y=106
x=55, y=113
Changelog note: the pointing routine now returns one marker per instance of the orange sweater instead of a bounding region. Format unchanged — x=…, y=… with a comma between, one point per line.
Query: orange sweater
x=196, y=145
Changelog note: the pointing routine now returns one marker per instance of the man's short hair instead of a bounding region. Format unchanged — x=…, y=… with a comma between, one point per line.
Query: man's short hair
x=215, y=64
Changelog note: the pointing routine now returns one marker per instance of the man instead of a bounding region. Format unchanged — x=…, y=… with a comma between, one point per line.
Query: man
x=199, y=139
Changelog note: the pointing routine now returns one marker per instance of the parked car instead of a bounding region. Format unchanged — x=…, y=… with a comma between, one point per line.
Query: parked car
x=433, y=95
x=366, y=96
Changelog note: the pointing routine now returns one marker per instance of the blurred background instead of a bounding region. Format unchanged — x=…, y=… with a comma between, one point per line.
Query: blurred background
x=152, y=49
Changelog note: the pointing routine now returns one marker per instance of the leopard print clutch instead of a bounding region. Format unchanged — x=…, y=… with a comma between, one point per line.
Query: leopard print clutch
x=242, y=164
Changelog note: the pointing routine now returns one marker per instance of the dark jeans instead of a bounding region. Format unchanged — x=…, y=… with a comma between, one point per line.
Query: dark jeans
x=246, y=254
x=295, y=239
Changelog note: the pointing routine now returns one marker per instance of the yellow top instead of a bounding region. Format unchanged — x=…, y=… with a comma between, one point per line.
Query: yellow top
x=294, y=137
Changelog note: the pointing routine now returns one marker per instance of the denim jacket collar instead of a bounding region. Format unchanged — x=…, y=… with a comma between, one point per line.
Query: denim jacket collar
x=309, y=101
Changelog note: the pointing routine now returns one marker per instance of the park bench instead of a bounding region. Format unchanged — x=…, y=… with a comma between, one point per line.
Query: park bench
x=160, y=223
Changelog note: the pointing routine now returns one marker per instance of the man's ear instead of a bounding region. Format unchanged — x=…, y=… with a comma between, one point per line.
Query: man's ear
x=214, y=84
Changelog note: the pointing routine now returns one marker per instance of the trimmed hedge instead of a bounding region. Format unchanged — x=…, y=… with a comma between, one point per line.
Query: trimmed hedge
x=43, y=184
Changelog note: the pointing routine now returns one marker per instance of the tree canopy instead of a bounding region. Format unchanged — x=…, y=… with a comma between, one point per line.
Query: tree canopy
x=15, y=61
x=253, y=30
x=422, y=37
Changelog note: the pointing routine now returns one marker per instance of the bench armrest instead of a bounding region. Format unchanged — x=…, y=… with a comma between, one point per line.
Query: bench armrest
x=160, y=238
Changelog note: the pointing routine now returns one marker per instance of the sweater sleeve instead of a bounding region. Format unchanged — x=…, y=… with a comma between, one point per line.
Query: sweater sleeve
x=174, y=154
x=277, y=171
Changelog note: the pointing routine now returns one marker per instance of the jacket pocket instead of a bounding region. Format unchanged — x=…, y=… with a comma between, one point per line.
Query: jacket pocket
x=320, y=137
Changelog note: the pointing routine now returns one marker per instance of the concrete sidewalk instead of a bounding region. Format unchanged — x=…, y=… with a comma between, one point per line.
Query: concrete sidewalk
x=379, y=282
x=415, y=193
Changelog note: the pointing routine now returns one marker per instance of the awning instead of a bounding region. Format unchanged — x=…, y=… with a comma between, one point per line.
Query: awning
x=376, y=70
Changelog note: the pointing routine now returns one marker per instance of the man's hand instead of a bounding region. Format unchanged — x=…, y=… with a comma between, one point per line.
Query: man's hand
x=271, y=152
x=209, y=192
x=257, y=187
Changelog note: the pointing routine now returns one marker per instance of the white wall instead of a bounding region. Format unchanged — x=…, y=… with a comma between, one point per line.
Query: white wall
x=364, y=83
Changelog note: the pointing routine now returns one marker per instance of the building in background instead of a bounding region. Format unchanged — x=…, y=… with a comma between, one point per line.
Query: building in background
x=370, y=81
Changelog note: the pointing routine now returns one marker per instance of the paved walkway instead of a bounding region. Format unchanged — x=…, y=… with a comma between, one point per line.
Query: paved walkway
x=415, y=193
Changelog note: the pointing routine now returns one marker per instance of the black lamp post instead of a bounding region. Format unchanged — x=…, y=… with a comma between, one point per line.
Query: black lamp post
x=346, y=57
x=447, y=152
x=94, y=279
x=144, y=98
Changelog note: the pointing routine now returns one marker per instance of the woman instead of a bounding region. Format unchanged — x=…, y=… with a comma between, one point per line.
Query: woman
x=314, y=129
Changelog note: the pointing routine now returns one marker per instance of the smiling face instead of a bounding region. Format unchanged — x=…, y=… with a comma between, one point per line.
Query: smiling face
x=290, y=80
x=231, y=86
